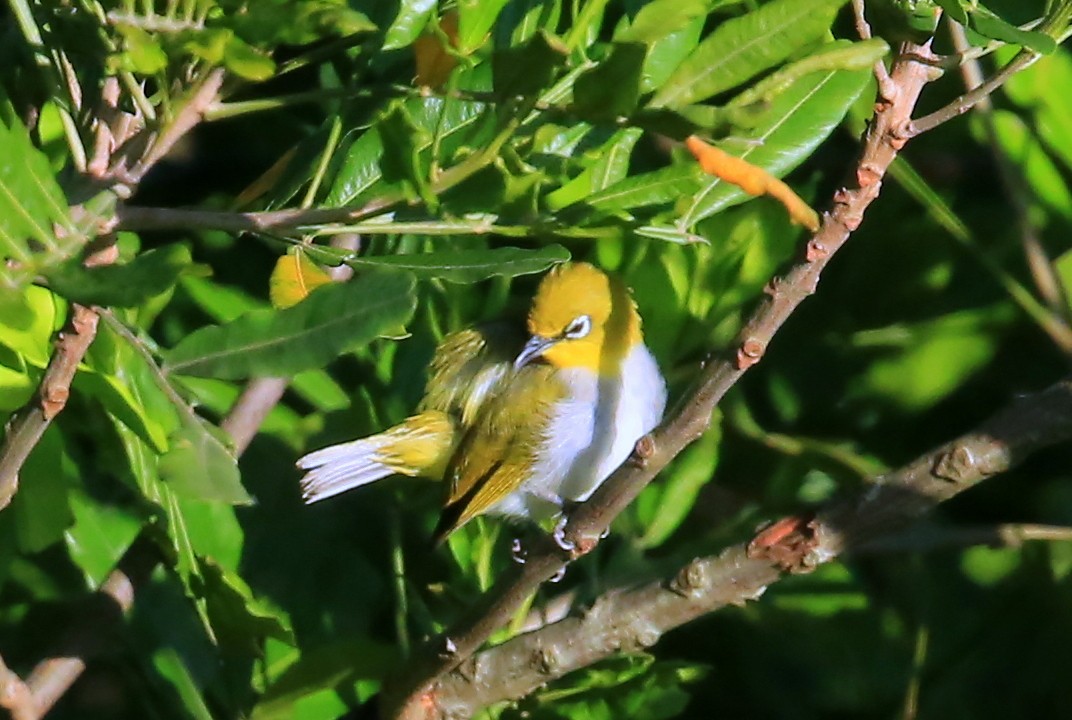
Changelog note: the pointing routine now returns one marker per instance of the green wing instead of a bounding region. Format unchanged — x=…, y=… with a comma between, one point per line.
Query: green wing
x=469, y=367
x=498, y=451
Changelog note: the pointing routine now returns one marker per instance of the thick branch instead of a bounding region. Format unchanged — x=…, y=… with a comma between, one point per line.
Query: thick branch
x=632, y=619
x=416, y=694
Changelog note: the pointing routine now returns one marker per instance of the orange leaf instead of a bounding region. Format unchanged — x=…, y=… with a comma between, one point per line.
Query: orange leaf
x=434, y=63
x=752, y=179
x=294, y=277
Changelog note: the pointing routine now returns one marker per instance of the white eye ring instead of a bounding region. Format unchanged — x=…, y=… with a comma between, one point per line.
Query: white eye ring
x=579, y=328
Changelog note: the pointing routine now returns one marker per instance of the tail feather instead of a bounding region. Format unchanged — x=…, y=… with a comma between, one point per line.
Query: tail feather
x=342, y=467
x=418, y=446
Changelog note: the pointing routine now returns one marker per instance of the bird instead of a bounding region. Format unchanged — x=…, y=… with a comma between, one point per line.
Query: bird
x=519, y=420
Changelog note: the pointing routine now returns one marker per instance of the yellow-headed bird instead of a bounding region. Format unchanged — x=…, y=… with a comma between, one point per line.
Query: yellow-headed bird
x=517, y=426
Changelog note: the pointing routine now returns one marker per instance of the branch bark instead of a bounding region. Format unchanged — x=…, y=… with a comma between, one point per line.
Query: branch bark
x=417, y=692
x=630, y=619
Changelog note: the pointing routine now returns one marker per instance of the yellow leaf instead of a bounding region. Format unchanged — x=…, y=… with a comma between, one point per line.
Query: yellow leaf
x=294, y=277
x=434, y=63
x=752, y=179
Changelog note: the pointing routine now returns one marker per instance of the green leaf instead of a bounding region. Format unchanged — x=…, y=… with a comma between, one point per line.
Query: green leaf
x=796, y=123
x=989, y=25
x=42, y=507
x=682, y=483
x=31, y=335
x=100, y=536
x=470, y=266
x=612, y=88
x=653, y=188
x=32, y=205
x=528, y=69
x=744, y=47
x=475, y=20
x=333, y=319
x=240, y=620
x=955, y=9
x=198, y=465
x=412, y=16
x=115, y=395
x=1033, y=162
x=611, y=165
x=402, y=162
x=129, y=285
x=247, y=62
x=660, y=18
x=935, y=357
x=142, y=52
x=323, y=669
x=988, y=566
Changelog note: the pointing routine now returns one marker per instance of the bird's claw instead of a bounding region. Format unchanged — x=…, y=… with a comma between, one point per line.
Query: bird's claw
x=559, y=574
x=518, y=552
x=559, y=536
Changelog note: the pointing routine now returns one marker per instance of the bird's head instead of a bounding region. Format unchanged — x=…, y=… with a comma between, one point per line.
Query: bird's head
x=581, y=317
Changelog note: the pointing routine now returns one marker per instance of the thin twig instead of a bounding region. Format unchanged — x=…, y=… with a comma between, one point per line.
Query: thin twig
x=1047, y=281
x=251, y=408
x=1023, y=60
x=29, y=424
x=414, y=691
x=886, y=86
x=634, y=618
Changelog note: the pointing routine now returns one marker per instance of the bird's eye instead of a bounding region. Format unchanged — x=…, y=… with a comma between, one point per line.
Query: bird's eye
x=580, y=327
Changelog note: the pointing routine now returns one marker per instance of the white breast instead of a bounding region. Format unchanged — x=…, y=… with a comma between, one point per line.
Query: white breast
x=591, y=433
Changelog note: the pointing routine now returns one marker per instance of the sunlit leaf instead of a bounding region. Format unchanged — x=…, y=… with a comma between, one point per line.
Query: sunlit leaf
x=293, y=278
x=743, y=47
x=470, y=266
x=335, y=318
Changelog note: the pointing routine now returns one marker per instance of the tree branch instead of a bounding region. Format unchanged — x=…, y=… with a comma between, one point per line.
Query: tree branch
x=627, y=620
x=957, y=107
x=415, y=693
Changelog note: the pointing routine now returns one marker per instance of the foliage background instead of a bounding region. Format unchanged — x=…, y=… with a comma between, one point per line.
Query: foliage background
x=927, y=322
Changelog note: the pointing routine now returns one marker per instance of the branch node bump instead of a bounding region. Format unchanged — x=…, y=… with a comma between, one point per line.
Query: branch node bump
x=691, y=579
x=954, y=465
x=786, y=543
x=750, y=352
x=867, y=175
x=816, y=250
x=546, y=660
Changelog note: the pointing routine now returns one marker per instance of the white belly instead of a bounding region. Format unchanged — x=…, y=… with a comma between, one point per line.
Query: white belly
x=591, y=433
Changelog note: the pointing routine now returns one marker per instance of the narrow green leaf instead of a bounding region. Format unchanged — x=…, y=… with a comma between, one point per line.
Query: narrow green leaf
x=31, y=204
x=412, y=16
x=612, y=88
x=42, y=508
x=746, y=46
x=475, y=20
x=796, y=123
x=653, y=188
x=684, y=479
x=129, y=285
x=955, y=9
x=989, y=25
x=246, y=61
x=470, y=266
x=198, y=465
x=528, y=69
x=333, y=319
x=660, y=18
x=240, y=620
x=100, y=536
x=611, y=166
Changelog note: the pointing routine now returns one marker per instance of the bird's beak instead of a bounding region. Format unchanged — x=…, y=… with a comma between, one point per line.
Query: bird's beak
x=534, y=348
